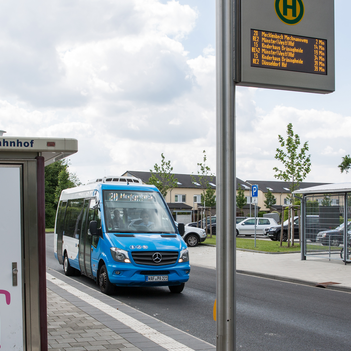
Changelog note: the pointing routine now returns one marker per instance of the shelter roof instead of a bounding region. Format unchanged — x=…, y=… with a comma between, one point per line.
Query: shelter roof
x=326, y=189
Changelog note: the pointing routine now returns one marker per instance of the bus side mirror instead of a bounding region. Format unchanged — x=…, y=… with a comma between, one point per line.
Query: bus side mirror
x=181, y=228
x=93, y=228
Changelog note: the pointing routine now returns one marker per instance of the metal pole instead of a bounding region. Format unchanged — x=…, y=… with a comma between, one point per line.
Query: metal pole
x=345, y=228
x=303, y=228
x=42, y=253
x=226, y=177
x=255, y=222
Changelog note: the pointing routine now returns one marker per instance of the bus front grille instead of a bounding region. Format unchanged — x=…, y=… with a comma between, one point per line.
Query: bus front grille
x=155, y=258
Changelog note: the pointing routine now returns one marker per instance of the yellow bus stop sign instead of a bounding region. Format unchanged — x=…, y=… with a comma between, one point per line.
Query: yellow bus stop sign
x=290, y=13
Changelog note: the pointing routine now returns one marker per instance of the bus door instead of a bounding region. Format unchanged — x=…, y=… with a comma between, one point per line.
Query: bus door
x=85, y=242
x=94, y=215
x=60, y=229
x=72, y=230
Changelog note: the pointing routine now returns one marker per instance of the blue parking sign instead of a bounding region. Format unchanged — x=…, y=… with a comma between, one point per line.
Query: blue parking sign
x=254, y=190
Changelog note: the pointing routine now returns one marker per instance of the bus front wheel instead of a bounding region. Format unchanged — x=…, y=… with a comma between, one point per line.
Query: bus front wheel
x=176, y=289
x=104, y=282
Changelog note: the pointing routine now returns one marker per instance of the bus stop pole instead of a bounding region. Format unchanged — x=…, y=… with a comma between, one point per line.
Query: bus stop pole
x=226, y=178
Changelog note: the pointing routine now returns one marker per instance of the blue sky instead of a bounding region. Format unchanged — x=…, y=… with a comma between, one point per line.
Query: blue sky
x=131, y=79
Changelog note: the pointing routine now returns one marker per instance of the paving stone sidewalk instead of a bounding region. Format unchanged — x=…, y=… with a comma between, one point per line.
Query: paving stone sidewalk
x=69, y=328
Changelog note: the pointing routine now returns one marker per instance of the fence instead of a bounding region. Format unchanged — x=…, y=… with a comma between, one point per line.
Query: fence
x=323, y=222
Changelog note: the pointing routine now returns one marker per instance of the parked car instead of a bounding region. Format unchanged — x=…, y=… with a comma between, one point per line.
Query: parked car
x=312, y=228
x=198, y=223
x=333, y=237
x=247, y=226
x=266, y=231
x=193, y=235
x=214, y=227
x=239, y=219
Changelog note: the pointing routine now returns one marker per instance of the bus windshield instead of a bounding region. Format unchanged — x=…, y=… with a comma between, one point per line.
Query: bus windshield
x=136, y=212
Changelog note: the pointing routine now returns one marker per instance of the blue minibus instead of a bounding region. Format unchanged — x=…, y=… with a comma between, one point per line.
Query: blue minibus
x=120, y=233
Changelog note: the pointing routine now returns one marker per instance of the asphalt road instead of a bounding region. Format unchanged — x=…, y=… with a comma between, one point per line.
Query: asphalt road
x=271, y=315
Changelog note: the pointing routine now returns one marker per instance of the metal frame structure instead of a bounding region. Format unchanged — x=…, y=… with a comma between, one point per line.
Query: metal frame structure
x=340, y=189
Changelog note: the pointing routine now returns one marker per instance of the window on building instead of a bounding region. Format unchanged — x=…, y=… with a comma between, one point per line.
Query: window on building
x=197, y=199
x=287, y=201
x=180, y=198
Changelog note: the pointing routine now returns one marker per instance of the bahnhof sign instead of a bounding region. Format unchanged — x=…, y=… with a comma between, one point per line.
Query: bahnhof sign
x=287, y=44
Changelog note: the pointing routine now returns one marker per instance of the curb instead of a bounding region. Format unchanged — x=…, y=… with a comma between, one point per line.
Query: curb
x=294, y=280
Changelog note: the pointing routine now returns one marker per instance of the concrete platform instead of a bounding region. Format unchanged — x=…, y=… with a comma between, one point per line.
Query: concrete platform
x=80, y=318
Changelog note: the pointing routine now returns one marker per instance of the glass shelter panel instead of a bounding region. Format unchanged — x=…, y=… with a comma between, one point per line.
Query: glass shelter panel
x=324, y=225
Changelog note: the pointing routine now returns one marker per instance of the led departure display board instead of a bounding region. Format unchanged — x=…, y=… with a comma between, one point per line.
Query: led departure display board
x=288, y=52
x=285, y=44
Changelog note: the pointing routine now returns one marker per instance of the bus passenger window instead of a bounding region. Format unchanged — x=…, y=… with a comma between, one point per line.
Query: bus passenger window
x=73, y=216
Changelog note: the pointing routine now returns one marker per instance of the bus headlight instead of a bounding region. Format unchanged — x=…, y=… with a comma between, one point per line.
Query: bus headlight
x=184, y=256
x=119, y=255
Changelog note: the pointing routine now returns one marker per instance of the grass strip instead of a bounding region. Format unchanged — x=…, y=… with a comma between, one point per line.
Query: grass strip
x=261, y=245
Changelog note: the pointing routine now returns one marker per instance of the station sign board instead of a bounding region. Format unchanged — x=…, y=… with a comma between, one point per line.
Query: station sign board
x=287, y=44
x=52, y=149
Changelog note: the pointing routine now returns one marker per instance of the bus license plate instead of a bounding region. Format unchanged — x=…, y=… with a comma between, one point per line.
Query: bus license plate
x=157, y=278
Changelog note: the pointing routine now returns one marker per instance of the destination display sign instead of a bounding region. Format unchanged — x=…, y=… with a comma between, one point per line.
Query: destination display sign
x=288, y=52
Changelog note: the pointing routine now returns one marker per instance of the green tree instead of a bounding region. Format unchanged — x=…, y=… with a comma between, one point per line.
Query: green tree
x=57, y=178
x=270, y=199
x=296, y=163
x=204, y=177
x=345, y=165
x=64, y=181
x=326, y=201
x=209, y=197
x=240, y=198
x=162, y=176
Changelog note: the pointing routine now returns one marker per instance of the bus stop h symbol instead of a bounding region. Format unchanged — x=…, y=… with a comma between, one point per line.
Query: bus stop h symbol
x=290, y=11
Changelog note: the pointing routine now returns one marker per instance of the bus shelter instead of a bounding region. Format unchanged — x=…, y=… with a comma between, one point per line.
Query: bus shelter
x=330, y=207
x=23, y=307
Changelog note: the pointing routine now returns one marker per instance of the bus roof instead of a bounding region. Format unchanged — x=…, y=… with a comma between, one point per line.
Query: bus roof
x=88, y=190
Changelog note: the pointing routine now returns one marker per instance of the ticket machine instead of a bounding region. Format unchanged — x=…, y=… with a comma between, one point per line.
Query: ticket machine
x=23, y=307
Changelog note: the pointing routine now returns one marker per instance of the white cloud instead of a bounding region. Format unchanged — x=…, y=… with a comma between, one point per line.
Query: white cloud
x=116, y=76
